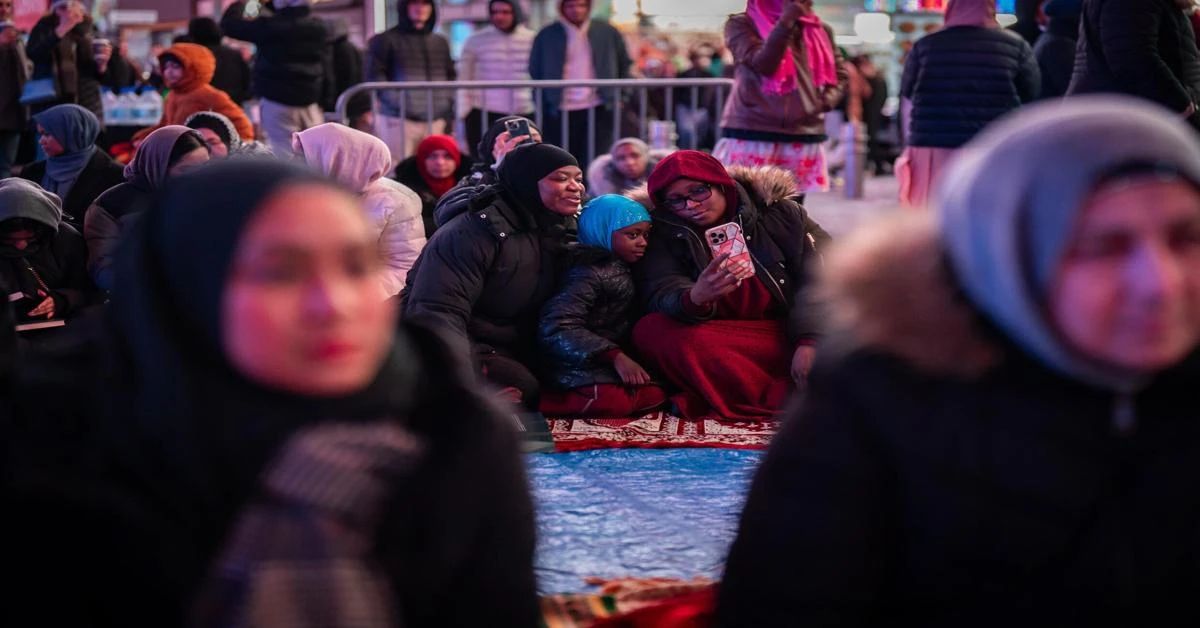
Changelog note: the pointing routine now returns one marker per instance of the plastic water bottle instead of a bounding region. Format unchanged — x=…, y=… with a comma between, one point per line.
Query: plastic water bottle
x=109, y=103
x=152, y=107
x=124, y=112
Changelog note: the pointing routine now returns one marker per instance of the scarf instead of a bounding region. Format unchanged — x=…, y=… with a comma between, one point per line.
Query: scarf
x=822, y=61
x=438, y=187
x=352, y=158
x=979, y=13
x=694, y=165
x=607, y=214
x=1007, y=221
x=76, y=129
x=152, y=162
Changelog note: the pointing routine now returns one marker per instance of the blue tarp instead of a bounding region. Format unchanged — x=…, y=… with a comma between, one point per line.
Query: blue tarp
x=636, y=513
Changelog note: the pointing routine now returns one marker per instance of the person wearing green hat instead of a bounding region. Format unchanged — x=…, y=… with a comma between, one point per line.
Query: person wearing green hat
x=584, y=329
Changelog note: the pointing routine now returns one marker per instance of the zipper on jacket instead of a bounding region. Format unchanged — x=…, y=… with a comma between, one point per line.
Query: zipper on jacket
x=773, y=281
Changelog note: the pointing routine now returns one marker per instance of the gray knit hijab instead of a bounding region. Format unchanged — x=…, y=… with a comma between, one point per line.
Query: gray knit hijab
x=1008, y=204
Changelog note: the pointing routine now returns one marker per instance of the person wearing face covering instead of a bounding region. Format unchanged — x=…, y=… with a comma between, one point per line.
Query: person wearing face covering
x=957, y=81
x=165, y=152
x=250, y=372
x=1004, y=414
x=436, y=169
x=360, y=161
x=74, y=169
x=499, y=52
x=485, y=275
x=494, y=145
x=43, y=260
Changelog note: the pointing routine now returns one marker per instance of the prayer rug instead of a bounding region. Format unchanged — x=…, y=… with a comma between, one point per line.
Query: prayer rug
x=659, y=430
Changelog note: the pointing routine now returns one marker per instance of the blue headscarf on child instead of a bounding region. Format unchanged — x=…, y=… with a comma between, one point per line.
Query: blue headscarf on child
x=606, y=214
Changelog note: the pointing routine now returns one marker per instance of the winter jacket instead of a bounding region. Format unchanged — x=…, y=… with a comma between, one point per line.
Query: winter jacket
x=1055, y=54
x=456, y=200
x=395, y=213
x=110, y=217
x=232, y=74
x=961, y=78
x=603, y=177
x=587, y=320
x=493, y=55
x=610, y=59
x=346, y=68
x=401, y=54
x=100, y=174
x=936, y=475
x=193, y=94
x=782, y=238
x=292, y=57
x=68, y=61
x=1143, y=48
x=753, y=115
x=60, y=264
x=14, y=71
x=407, y=174
x=485, y=275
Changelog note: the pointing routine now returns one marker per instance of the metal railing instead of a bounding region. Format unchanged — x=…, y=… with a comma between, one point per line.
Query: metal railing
x=642, y=87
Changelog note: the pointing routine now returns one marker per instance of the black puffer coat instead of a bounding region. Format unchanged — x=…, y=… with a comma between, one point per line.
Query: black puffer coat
x=293, y=53
x=99, y=175
x=485, y=275
x=456, y=200
x=936, y=475
x=783, y=241
x=404, y=54
x=962, y=78
x=589, y=317
x=1144, y=48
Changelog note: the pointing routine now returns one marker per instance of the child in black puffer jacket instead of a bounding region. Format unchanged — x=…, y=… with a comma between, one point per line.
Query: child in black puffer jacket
x=584, y=327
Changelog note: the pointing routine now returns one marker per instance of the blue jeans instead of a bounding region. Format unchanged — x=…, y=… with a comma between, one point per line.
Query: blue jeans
x=10, y=141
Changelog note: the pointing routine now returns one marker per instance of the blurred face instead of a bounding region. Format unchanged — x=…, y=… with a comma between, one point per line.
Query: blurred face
x=419, y=13
x=629, y=244
x=1128, y=290
x=562, y=190
x=576, y=11
x=49, y=145
x=19, y=239
x=303, y=312
x=696, y=202
x=172, y=73
x=6, y=9
x=188, y=162
x=501, y=13
x=439, y=164
x=70, y=12
x=630, y=161
x=216, y=147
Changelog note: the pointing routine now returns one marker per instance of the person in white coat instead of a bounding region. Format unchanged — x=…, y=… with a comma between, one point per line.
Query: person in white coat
x=499, y=52
x=361, y=162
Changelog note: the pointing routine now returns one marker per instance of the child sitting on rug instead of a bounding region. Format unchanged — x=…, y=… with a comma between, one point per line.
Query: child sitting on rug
x=583, y=328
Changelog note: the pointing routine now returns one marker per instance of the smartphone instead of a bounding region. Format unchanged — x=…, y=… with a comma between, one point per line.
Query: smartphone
x=517, y=128
x=728, y=239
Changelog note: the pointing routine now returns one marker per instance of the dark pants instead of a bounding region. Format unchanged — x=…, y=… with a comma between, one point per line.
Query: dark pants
x=507, y=372
x=10, y=141
x=474, y=132
x=576, y=141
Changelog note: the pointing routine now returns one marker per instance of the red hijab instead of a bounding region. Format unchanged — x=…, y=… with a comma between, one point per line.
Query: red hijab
x=439, y=187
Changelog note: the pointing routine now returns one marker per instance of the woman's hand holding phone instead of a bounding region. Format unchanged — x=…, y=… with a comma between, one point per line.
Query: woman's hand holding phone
x=715, y=281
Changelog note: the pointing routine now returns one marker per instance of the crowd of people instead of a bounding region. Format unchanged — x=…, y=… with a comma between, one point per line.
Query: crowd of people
x=285, y=385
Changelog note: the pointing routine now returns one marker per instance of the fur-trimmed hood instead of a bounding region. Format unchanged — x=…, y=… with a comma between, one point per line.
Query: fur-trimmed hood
x=765, y=184
x=888, y=289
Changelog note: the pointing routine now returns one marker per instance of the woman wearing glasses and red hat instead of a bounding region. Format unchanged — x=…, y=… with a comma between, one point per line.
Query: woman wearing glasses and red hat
x=733, y=336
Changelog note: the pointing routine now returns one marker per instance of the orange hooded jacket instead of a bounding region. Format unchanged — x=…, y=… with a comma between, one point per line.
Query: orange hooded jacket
x=193, y=93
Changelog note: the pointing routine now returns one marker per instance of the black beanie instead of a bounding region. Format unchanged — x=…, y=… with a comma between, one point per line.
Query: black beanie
x=525, y=165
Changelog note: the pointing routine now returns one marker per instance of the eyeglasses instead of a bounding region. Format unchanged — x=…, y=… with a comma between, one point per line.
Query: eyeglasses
x=698, y=194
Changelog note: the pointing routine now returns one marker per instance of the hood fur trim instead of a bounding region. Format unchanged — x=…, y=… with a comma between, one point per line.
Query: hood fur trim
x=767, y=183
x=888, y=289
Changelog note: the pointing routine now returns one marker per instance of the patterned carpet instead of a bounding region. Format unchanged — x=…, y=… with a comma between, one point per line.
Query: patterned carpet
x=659, y=430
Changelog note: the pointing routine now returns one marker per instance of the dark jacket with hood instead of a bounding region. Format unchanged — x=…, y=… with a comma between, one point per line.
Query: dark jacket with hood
x=14, y=68
x=1055, y=48
x=346, y=68
x=783, y=240
x=58, y=261
x=232, y=75
x=403, y=53
x=292, y=57
x=408, y=174
x=485, y=274
x=959, y=480
x=68, y=61
x=961, y=78
x=107, y=220
x=1144, y=48
x=100, y=174
x=587, y=320
x=610, y=59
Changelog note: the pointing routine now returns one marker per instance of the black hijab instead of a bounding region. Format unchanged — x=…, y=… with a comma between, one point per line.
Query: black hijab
x=526, y=165
x=186, y=429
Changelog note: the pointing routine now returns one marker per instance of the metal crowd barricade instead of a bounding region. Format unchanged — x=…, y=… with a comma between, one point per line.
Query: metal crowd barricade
x=641, y=86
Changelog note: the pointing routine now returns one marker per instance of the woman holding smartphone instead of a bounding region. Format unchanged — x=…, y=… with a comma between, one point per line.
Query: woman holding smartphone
x=733, y=334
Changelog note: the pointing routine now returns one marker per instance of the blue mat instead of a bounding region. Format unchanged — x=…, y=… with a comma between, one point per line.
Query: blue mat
x=636, y=513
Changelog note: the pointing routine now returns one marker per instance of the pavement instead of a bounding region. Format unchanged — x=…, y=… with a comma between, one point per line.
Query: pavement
x=839, y=215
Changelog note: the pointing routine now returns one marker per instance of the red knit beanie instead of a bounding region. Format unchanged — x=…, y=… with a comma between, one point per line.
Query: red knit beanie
x=439, y=142
x=691, y=164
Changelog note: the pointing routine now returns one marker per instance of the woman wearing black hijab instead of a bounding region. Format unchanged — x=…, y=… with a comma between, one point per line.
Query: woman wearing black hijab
x=496, y=143
x=486, y=276
x=231, y=332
